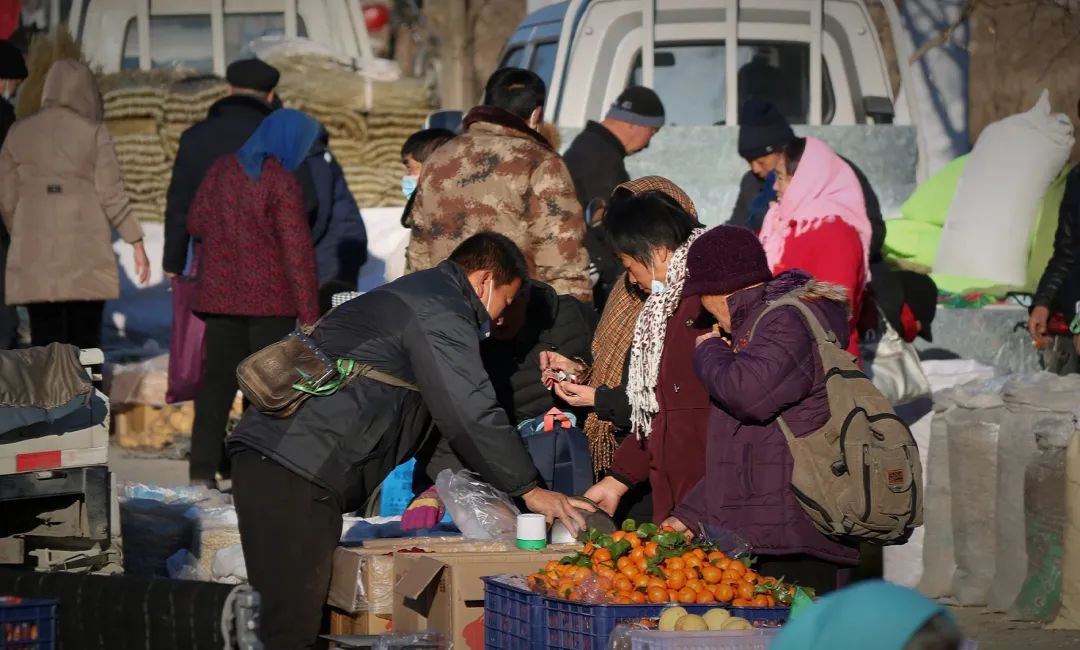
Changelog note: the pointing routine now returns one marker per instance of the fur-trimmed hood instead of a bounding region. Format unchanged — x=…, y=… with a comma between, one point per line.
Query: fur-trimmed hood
x=802, y=285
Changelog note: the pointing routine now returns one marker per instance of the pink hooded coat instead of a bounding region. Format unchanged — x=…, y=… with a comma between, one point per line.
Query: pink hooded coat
x=820, y=226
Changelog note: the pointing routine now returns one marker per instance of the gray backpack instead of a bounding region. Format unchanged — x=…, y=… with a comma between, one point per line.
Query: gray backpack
x=859, y=476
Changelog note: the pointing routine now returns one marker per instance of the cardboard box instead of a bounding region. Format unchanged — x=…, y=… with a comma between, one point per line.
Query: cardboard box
x=443, y=592
x=362, y=579
x=345, y=624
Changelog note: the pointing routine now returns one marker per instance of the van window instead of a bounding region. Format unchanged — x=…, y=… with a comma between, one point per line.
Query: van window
x=543, y=61
x=187, y=42
x=515, y=58
x=776, y=71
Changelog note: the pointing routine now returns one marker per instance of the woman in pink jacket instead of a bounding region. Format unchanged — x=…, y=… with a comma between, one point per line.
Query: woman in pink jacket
x=819, y=223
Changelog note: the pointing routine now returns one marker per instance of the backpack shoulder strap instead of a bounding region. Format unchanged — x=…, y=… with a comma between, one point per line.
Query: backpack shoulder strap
x=820, y=334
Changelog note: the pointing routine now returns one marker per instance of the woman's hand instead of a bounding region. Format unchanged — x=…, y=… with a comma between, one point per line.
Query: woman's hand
x=142, y=263
x=679, y=527
x=607, y=493
x=554, y=505
x=1037, y=321
x=575, y=394
x=553, y=361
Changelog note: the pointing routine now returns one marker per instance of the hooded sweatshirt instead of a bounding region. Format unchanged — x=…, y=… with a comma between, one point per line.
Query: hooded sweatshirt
x=61, y=195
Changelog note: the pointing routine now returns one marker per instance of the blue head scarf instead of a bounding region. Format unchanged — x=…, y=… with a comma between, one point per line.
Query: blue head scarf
x=285, y=135
x=871, y=614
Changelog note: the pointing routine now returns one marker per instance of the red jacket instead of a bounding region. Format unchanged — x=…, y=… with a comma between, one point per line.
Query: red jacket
x=257, y=257
x=672, y=458
x=831, y=252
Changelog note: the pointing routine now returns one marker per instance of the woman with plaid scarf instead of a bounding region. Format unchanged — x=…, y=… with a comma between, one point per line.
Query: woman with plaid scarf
x=661, y=402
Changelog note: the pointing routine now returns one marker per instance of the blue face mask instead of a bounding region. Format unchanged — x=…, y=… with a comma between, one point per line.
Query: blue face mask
x=408, y=185
x=657, y=286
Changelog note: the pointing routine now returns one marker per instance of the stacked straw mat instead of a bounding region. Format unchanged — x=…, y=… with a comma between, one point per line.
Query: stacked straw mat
x=368, y=121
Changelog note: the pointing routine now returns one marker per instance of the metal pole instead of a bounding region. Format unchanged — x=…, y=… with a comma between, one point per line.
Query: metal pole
x=816, y=26
x=290, y=19
x=648, y=43
x=217, y=35
x=142, y=24
x=731, y=62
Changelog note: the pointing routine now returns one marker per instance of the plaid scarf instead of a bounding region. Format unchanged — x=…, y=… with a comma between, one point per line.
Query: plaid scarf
x=648, y=343
x=609, y=347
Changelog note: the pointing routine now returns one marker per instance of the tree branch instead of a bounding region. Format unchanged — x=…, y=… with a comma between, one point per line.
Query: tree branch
x=946, y=34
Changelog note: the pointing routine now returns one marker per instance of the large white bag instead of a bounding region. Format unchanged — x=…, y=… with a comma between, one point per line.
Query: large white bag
x=987, y=232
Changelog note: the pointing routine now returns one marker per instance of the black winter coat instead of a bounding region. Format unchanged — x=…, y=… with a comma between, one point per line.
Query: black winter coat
x=558, y=323
x=423, y=328
x=597, y=163
x=228, y=125
x=1059, y=288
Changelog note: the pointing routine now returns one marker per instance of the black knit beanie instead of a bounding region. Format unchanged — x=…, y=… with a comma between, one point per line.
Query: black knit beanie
x=638, y=105
x=763, y=129
x=724, y=260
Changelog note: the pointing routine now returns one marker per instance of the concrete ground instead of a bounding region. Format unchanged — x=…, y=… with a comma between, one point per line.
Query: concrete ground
x=991, y=631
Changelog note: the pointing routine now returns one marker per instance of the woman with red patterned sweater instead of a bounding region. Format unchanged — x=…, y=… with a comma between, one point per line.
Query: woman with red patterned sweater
x=256, y=268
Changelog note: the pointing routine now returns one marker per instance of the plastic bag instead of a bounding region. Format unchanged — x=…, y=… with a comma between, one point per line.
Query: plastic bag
x=479, y=510
x=229, y=566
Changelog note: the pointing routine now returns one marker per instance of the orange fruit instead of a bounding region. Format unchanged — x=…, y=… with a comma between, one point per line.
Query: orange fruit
x=641, y=582
x=751, y=576
x=622, y=600
x=651, y=549
x=581, y=575
x=657, y=582
x=691, y=574
x=732, y=576
x=618, y=535
x=696, y=585
x=676, y=580
x=657, y=595
x=606, y=583
x=589, y=548
x=736, y=566
x=638, y=554
x=638, y=598
x=711, y=574
x=605, y=572
x=772, y=601
x=667, y=529
x=692, y=561
x=722, y=563
x=761, y=600
x=623, y=562
x=687, y=595
x=699, y=553
x=675, y=564
x=715, y=556
x=745, y=591
x=643, y=565
x=741, y=602
x=630, y=571
x=623, y=585
x=704, y=598
x=724, y=593
x=673, y=595
x=635, y=541
x=601, y=555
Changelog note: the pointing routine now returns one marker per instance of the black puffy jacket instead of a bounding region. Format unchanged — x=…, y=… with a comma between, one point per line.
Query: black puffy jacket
x=1059, y=288
x=558, y=323
x=423, y=328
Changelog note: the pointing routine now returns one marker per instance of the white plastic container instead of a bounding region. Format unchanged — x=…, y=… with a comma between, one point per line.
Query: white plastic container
x=755, y=639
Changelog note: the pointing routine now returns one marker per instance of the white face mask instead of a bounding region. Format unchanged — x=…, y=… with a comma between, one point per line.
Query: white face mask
x=485, y=329
x=657, y=286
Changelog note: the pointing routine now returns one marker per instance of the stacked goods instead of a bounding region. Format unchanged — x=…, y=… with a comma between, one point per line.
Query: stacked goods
x=367, y=120
x=650, y=564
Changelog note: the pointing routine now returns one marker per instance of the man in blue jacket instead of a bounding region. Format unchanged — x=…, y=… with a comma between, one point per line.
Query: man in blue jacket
x=337, y=228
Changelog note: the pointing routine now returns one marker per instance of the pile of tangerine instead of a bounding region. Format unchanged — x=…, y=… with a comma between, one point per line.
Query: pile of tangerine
x=695, y=577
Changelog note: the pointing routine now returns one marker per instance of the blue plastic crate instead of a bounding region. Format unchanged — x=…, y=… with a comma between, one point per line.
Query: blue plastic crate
x=513, y=617
x=397, y=491
x=576, y=626
x=27, y=624
x=762, y=616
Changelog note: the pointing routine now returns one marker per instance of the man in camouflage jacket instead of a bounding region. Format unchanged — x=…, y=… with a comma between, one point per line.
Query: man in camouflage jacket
x=502, y=175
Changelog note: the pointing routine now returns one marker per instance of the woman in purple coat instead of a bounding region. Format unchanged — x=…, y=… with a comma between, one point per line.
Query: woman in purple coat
x=752, y=380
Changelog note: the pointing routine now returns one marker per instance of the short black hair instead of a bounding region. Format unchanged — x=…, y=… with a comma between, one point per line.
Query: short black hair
x=516, y=91
x=490, y=251
x=422, y=144
x=793, y=154
x=639, y=224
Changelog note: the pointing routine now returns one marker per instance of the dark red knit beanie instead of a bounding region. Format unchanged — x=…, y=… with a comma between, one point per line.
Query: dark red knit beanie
x=724, y=260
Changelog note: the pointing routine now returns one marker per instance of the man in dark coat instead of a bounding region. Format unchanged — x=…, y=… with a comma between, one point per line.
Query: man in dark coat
x=596, y=160
x=294, y=477
x=12, y=73
x=337, y=229
x=229, y=124
x=764, y=132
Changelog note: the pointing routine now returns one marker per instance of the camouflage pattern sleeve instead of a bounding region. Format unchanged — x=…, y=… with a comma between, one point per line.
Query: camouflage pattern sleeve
x=418, y=250
x=556, y=228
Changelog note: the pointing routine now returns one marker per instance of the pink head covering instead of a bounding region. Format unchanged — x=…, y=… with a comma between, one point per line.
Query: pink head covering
x=823, y=188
